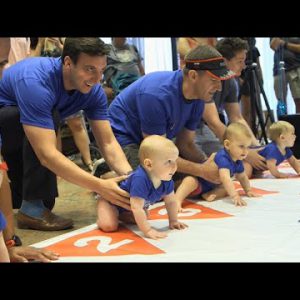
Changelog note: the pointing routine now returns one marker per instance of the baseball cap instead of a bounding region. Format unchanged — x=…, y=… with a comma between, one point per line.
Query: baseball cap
x=215, y=67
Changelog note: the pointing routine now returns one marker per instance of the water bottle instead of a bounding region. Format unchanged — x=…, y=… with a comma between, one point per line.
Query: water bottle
x=281, y=108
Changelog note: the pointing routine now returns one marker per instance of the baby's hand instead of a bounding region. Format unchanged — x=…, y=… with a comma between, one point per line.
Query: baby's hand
x=177, y=225
x=154, y=234
x=252, y=194
x=282, y=175
x=238, y=201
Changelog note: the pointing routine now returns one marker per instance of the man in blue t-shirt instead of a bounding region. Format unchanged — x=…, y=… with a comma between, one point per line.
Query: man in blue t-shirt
x=234, y=51
x=170, y=104
x=34, y=95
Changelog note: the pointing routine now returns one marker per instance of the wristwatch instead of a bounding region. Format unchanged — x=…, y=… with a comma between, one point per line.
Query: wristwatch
x=13, y=242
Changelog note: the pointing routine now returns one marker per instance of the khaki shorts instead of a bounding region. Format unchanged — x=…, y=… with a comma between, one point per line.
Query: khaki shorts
x=293, y=80
x=132, y=154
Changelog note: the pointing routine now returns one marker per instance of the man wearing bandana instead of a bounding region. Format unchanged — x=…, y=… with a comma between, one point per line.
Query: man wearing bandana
x=170, y=103
x=234, y=51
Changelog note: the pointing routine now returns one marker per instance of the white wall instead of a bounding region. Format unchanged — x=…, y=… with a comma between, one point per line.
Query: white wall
x=158, y=54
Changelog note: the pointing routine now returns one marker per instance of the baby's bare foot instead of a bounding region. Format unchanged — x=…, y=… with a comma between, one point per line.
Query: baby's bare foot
x=209, y=197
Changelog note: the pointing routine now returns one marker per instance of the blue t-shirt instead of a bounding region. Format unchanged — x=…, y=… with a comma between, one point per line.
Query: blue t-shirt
x=271, y=151
x=36, y=86
x=138, y=184
x=224, y=161
x=2, y=221
x=154, y=104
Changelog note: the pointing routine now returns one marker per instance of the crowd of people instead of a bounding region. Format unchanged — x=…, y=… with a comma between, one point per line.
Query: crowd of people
x=149, y=128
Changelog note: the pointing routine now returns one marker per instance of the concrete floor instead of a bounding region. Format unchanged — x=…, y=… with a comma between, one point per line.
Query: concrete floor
x=73, y=202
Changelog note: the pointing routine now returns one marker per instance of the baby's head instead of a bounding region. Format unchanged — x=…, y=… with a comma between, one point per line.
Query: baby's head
x=237, y=139
x=282, y=132
x=158, y=156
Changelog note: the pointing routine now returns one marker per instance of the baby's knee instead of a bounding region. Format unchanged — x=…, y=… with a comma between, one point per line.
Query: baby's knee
x=107, y=227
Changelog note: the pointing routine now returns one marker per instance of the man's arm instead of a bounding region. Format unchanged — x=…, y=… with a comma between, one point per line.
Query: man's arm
x=185, y=141
x=292, y=47
x=190, y=164
x=43, y=142
x=275, y=43
x=110, y=148
x=211, y=117
x=141, y=68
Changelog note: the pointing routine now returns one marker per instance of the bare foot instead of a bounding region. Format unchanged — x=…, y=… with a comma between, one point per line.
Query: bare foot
x=209, y=197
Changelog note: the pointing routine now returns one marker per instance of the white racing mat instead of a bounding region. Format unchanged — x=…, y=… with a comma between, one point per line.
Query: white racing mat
x=267, y=230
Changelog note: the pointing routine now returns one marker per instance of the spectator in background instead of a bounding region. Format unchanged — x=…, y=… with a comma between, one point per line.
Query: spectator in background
x=244, y=80
x=234, y=51
x=287, y=50
x=124, y=66
x=185, y=44
x=19, y=49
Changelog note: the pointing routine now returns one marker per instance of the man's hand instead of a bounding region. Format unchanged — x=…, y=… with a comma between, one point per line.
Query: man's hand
x=111, y=192
x=255, y=160
x=209, y=170
x=24, y=254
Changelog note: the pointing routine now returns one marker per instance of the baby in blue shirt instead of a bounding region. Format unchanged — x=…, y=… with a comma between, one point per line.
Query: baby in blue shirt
x=148, y=184
x=228, y=161
x=282, y=135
